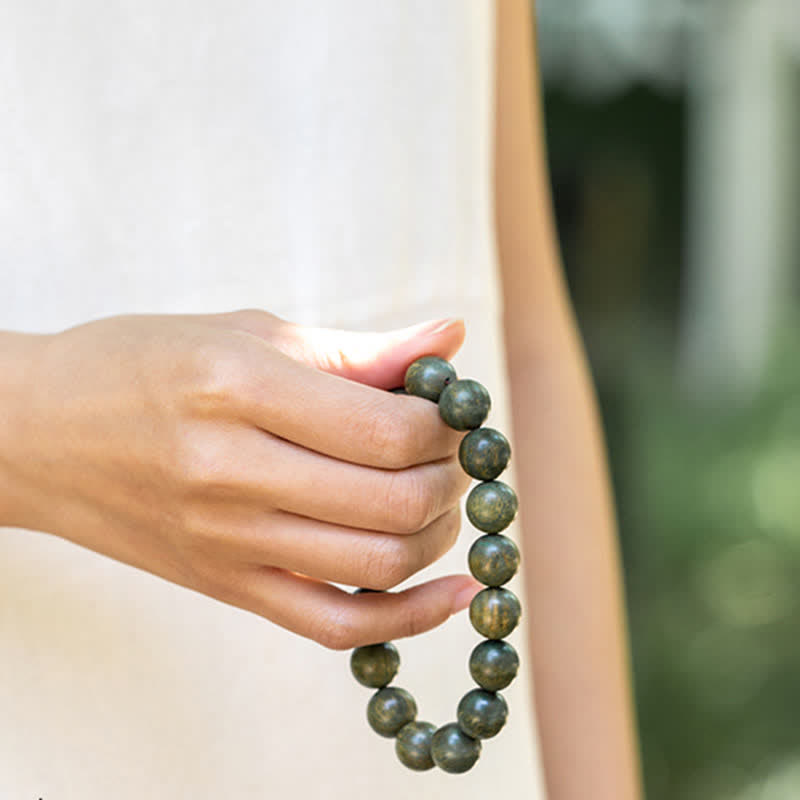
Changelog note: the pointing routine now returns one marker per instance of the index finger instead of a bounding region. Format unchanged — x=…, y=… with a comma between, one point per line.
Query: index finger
x=345, y=419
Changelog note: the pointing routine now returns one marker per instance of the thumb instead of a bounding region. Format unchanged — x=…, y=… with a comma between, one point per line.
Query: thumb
x=377, y=359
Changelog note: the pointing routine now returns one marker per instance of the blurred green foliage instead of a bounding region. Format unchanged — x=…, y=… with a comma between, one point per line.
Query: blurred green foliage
x=713, y=507
x=708, y=496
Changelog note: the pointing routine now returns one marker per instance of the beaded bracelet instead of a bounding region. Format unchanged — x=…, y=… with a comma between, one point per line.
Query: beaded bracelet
x=494, y=611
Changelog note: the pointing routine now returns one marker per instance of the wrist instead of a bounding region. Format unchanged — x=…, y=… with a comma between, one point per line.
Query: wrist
x=20, y=356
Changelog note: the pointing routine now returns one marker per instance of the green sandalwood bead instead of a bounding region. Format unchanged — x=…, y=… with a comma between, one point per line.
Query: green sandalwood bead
x=484, y=453
x=427, y=376
x=492, y=506
x=413, y=745
x=464, y=404
x=389, y=709
x=453, y=750
x=493, y=559
x=375, y=664
x=494, y=613
x=482, y=714
x=493, y=664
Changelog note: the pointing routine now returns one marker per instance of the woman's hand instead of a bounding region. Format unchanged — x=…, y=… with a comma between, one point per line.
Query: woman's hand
x=247, y=458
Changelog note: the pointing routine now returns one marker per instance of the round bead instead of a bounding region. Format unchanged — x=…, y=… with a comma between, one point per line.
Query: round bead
x=492, y=506
x=389, y=709
x=482, y=714
x=375, y=664
x=413, y=745
x=493, y=559
x=427, y=376
x=453, y=750
x=464, y=404
x=484, y=453
x=493, y=664
x=494, y=613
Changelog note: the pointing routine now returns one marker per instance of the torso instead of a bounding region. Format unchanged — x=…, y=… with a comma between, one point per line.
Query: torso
x=329, y=163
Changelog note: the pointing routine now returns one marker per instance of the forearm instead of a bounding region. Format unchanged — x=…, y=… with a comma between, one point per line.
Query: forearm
x=575, y=614
x=17, y=359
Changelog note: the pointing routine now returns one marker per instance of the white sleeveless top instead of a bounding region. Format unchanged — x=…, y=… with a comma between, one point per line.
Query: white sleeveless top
x=328, y=162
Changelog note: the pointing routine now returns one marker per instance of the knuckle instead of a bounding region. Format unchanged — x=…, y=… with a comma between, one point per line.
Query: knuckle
x=412, y=503
x=390, y=563
x=208, y=532
x=203, y=466
x=219, y=378
x=195, y=525
x=196, y=543
x=390, y=437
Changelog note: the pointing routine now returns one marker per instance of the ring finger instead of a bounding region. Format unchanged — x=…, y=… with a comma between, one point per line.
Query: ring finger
x=330, y=552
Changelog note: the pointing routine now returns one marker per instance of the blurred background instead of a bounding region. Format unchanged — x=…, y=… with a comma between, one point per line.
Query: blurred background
x=673, y=130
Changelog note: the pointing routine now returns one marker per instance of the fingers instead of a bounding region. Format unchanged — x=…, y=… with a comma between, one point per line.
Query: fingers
x=369, y=559
x=252, y=467
x=341, y=418
x=376, y=359
x=340, y=620
x=403, y=501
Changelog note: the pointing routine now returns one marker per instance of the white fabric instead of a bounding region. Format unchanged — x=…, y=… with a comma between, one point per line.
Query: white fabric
x=329, y=162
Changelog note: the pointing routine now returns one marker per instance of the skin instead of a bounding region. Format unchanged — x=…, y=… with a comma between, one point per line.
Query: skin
x=221, y=452
x=576, y=625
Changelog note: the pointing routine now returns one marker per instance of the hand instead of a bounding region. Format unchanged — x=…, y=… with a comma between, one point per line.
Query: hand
x=249, y=459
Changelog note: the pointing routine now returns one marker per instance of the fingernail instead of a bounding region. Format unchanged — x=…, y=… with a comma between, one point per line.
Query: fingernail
x=434, y=326
x=443, y=324
x=464, y=597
